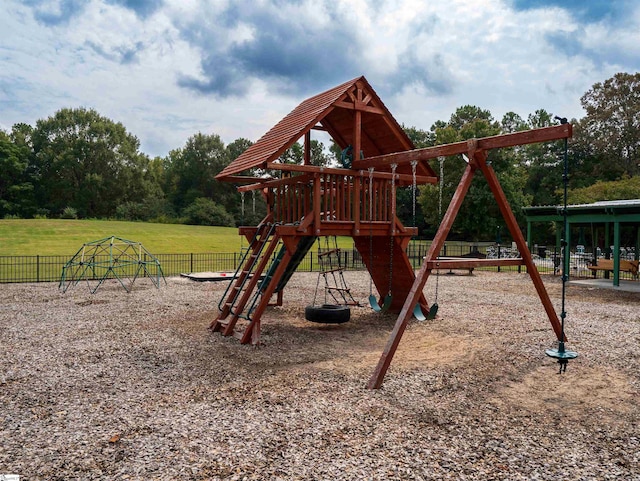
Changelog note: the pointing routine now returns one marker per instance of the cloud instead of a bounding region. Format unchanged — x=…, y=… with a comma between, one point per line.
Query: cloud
x=584, y=11
x=55, y=12
x=279, y=43
x=122, y=54
x=301, y=47
x=236, y=67
x=142, y=8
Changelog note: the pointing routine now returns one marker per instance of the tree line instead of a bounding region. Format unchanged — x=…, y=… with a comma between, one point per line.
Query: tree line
x=80, y=164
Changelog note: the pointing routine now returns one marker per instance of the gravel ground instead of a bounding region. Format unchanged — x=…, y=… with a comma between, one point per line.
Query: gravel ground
x=134, y=386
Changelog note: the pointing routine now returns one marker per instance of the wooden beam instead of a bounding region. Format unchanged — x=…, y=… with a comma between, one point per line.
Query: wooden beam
x=307, y=148
x=486, y=143
x=242, y=179
x=516, y=234
x=465, y=263
x=420, y=179
x=276, y=182
x=421, y=278
x=359, y=107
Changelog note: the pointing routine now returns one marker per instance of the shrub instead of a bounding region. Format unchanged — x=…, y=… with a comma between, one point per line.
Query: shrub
x=146, y=210
x=204, y=211
x=69, y=213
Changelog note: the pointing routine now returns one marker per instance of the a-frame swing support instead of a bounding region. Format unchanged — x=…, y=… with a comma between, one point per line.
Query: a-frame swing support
x=476, y=150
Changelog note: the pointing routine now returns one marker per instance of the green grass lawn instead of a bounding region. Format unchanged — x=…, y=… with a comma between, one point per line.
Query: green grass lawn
x=65, y=237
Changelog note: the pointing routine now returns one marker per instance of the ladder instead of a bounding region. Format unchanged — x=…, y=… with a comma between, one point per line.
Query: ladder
x=334, y=283
x=240, y=297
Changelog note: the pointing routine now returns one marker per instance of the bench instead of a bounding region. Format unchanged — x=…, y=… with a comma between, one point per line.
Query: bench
x=607, y=265
x=470, y=255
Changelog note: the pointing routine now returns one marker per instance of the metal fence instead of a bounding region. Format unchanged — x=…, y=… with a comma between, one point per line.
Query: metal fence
x=38, y=268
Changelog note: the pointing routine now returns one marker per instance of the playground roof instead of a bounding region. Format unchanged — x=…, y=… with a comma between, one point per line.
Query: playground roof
x=332, y=111
x=606, y=210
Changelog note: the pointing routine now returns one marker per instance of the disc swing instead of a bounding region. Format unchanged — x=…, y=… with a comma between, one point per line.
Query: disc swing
x=373, y=300
x=561, y=354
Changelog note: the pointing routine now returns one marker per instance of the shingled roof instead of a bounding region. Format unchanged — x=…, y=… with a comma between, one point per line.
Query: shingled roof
x=334, y=111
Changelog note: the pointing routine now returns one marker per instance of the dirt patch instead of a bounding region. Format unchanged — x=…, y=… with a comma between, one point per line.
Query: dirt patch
x=581, y=387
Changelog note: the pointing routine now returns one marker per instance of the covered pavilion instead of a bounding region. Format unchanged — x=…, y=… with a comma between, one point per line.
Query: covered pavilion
x=605, y=220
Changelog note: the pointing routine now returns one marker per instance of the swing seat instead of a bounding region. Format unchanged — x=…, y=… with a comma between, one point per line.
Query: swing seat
x=418, y=314
x=432, y=312
x=386, y=304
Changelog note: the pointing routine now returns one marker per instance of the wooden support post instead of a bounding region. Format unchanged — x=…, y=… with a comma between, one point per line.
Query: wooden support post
x=317, y=199
x=517, y=236
x=307, y=148
x=477, y=161
x=421, y=278
x=616, y=253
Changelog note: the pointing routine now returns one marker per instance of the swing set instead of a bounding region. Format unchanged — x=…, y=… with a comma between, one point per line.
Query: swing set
x=357, y=200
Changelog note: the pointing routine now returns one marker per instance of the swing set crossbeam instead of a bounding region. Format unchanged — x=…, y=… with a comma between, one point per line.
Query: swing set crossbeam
x=533, y=136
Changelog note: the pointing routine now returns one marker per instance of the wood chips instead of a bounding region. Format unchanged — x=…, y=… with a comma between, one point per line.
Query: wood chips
x=134, y=386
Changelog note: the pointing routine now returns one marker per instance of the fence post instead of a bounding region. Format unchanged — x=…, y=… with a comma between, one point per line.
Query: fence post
x=37, y=268
x=191, y=263
x=498, y=256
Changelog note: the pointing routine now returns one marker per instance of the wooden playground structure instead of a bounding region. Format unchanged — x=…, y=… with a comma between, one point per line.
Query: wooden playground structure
x=305, y=202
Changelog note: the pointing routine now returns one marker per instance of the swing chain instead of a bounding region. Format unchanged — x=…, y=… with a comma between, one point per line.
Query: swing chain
x=414, y=164
x=370, y=226
x=441, y=160
x=393, y=222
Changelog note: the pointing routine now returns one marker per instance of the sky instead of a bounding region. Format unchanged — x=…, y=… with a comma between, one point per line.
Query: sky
x=169, y=69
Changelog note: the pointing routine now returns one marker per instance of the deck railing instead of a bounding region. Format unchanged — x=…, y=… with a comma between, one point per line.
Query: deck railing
x=333, y=198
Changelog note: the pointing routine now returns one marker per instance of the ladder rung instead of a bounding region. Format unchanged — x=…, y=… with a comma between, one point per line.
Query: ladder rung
x=238, y=335
x=339, y=289
x=337, y=269
x=332, y=251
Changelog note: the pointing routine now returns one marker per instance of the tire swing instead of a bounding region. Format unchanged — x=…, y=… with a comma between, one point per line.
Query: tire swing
x=330, y=313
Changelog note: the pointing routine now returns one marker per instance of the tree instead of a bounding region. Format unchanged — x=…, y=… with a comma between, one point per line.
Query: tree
x=88, y=162
x=295, y=154
x=16, y=188
x=627, y=188
x=191, y=170
x=479, y=217
x=612, y=123
x=542, y=162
